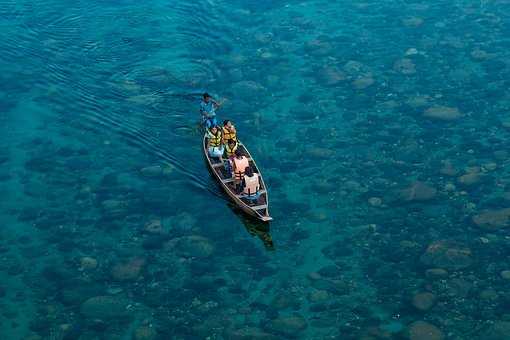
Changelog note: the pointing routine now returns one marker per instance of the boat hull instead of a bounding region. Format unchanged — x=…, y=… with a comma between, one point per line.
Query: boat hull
x=258, y=209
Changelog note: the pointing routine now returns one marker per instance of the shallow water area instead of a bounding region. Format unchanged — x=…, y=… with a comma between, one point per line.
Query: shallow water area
x=381, y=129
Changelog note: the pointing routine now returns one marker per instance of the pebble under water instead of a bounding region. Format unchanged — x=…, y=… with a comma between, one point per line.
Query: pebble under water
x=381, y=128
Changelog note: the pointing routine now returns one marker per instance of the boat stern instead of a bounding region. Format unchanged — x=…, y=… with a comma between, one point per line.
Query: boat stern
x=266, y=218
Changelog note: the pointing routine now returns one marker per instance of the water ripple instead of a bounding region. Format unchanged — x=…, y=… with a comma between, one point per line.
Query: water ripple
x=112, y=81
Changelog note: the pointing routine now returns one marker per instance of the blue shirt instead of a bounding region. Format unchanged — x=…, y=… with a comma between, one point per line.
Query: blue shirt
x=208, y=109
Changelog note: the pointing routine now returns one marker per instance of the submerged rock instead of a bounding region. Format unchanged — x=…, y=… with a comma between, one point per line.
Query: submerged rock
x=436, y=273
x=153, y=227
x=320, y=153
x=105, y=308
x=88, y=263
x=331, y=75
x=498, y=331
x=479, y=55
x=441, y=112
x=152, y=171
x=249, y=333
x=418, y=191
x=194, y=246
x=418, y=101
x=448, y=169
x=128, y=271
x=375, y=201
x=263, y=37
x=145, y=332
x=458, y=287
x=493, y=219
x=505, y=274
x=405, y=66
x=114, y=207
x=318, y=295
x=421, y=330
x=33, y=337
x=318, y=47
x=470, y=178
x=363, y=82
x=447, y=254
x=289, y=325
x=489, y=295
x=412, y=21
x=335, y=287
x=284, y=301
x=423, y=301
x=355, y=68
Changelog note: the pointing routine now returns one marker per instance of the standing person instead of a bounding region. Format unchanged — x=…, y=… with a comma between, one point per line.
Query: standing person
x=208, y=108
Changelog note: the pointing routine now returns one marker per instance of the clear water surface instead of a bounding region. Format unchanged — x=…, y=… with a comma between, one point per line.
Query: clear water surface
x=381, y=128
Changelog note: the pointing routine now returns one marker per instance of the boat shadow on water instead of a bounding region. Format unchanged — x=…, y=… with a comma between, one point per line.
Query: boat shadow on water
x=254, y=227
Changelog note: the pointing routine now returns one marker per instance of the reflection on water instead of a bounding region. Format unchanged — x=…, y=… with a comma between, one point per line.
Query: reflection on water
x=381, y=128
x=254, y=227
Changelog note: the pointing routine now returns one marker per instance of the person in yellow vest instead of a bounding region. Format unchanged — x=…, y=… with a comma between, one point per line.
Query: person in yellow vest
x=214, y=142
x=251, y=183
x=229, y=131
x=240, y=163
x=230, y=148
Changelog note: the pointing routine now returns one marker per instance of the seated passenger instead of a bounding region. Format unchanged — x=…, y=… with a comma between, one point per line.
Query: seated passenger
x=229, y=131
x=214, y=146
x=251, y=183
x=240, y=163
x=230, y=148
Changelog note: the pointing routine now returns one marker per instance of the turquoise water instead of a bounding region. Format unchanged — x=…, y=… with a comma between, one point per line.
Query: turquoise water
x=381, y=129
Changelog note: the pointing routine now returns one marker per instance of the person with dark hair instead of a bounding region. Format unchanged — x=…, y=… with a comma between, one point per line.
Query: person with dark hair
x=240, y=163
x=214, y=145
x=250, y=183
x=230, y=148
x=208, y=108
x=229, y=132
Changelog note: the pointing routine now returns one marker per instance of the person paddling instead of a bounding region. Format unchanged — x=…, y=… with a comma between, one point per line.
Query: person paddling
x=208, y=108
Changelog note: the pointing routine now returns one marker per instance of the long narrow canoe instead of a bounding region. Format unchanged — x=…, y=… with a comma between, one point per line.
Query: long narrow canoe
x=258, y=209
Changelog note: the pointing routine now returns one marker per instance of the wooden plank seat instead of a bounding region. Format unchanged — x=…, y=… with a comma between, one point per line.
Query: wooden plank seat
x=260, y=193
x=259, y=207
x=216, y=165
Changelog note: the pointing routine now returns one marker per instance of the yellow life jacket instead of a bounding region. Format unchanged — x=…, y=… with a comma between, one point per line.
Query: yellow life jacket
x=228, y=135
x=230, y=150
x=214, y=140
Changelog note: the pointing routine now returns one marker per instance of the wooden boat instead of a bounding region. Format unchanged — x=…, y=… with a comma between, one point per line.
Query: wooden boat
x=259, y=208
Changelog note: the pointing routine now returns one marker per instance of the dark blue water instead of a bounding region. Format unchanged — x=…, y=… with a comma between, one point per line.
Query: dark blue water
x=381, y=129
